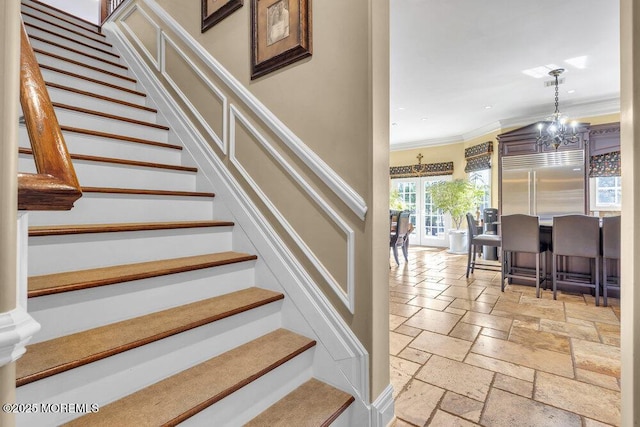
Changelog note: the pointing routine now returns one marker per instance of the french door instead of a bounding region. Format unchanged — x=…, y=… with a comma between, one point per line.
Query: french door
x=430, y=225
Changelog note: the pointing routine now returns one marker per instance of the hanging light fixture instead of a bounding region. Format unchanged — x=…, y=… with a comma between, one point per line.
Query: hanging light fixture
x=554, y=130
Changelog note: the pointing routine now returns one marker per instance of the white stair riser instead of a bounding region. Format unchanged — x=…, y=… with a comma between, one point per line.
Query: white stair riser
x=257, y=396
x=109, y=379
x=100, y=53
x=52, y=254
x=107, y=147
x=94, y=208
x=80, y=23
x=45, y=23
x=85, y=71
x=70, y=312
x=66, y=53
x=101, y=174
x=102, y=124
x=87, y=86
x=83, y=101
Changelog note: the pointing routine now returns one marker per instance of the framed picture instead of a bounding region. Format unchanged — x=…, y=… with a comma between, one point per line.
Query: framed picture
x=281, y=34
x=214, y=11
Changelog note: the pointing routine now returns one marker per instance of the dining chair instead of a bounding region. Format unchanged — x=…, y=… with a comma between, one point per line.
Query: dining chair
x=610, y=251
x=521, y=234
x=400, y=236
x=575, y=236
x=474, y=241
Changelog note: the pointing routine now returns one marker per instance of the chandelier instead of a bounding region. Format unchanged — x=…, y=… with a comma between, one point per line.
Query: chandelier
x=554, y=130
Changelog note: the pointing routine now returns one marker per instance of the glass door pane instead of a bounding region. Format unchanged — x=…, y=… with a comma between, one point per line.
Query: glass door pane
x=435, y=224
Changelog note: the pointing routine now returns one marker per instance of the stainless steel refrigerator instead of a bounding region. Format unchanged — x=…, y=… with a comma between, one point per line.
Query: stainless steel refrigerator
x=544, y=184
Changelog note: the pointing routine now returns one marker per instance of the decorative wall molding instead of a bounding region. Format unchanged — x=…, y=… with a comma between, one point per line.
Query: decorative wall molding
x=382, y=413
x=123, y=21
x=333, y=181
x=330, y=329
x=347, y=298
x=221, y=142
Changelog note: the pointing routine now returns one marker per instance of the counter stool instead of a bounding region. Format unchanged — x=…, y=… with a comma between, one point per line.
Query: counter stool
x=476, y=240
x=610, y=250
x=576, y=236
x=521, y=234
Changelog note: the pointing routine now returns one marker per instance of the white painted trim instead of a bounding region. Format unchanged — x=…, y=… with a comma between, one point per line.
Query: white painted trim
x=347, y=298
x=17, y=327
x=331, y=330
x=382, y=410
x=123, y=22
x=338, y=185
x=220, y=142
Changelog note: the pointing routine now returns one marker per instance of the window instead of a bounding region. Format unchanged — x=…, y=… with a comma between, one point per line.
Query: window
x=606, y=193
x=482, y=179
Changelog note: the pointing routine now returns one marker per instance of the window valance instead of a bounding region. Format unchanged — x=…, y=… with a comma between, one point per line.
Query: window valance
x=478, y=157
x=605, y=165
x=428, y=169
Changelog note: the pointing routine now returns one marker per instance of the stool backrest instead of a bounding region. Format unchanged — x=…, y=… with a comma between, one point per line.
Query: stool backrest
x=611, y=237
x=473, y=228
x=520, y=233
x=577, y=235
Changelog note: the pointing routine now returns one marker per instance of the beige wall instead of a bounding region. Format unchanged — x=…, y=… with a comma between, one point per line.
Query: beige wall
x=336, y=102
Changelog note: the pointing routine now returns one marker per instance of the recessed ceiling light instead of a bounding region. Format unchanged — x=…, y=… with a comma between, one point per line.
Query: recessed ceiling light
x=578, y=62
x=401, y=108
x=424, y=119
x=394, y=124
x=571, y=91
x=488, y=107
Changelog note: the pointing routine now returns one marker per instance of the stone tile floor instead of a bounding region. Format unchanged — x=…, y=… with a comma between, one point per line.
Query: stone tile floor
x=463, y=353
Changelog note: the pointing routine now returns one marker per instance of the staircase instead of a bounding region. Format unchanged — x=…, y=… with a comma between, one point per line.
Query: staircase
x=149, y=316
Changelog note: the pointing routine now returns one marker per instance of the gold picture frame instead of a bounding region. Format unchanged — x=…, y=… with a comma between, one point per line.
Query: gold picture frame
x=281, y=34
x=214, y=11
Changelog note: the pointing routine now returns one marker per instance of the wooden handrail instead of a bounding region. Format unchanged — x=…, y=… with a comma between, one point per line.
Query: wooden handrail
x=55, y=186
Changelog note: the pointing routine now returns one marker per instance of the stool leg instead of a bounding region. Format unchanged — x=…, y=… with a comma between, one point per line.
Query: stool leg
x=469, y=259
x=553, y=273
x=538, y=276
x=544, y=269
x=604, y=280
x=502, y=273
x=597, y=261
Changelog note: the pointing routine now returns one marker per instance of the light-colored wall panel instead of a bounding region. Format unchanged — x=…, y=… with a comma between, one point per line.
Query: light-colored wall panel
x=141, y=26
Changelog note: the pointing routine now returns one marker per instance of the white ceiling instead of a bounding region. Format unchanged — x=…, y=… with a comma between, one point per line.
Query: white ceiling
x=452, y=58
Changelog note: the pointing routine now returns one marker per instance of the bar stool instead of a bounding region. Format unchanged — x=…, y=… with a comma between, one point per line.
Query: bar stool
x=577, y=236
x=476, y=240
x=610, y=250
x=521, y=234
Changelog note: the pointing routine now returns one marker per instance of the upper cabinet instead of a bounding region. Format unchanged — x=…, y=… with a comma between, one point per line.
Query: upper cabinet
x=523, y=141
x=604, y=138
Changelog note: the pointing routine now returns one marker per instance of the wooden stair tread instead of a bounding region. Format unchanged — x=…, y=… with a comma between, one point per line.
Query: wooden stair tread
x=48, y=6
x=111, y=190
x=79, y=33
x=89, y=79
x=126, y=162
x=44, y=30
x=109, y=116
x=74, y=280
x=82, y=64
x=79, y=52
x=119, y=137
x=314, y=403
x=62, y=354
x=175, y=399
x=59, y=230
x=95, y=95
